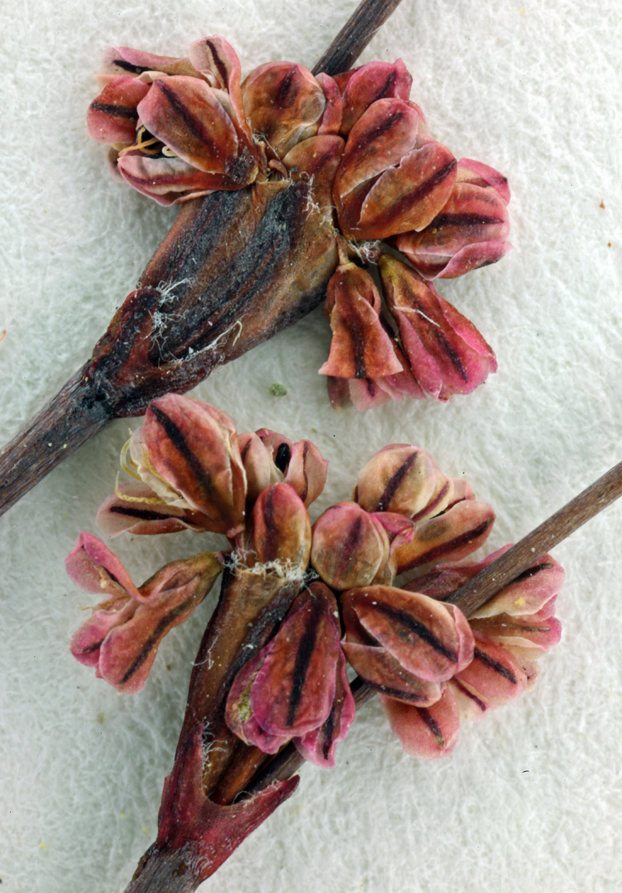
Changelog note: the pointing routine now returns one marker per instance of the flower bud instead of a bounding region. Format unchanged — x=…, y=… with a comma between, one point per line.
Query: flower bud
x=430, y=640
x=369, y=83
x=392, y=178
x=447, y=354
x=284, y=104
x=288, y=690
x=350, y=547
x=188, y=453
x=399, y=478
x=280, y=530
x=177, y=126
x=121, y=638
x=469, y=232
x=429, y=732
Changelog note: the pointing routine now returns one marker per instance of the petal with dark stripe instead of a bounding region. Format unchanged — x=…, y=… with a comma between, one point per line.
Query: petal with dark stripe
x=188, y=453
x=112, y=116
x=428, y=640
x=494, y=675
x=425, y=733
x=368, y=84
x=398, y=478
x=185, y=115
x=350, y=547
x=319, y=745
x=450, y=536
x=360, y=347
x=136, y=509
x=446, y=352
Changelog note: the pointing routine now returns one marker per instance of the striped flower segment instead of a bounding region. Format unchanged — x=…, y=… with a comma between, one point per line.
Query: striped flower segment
x=295, y=687
x=121, y=637
x=182, y=128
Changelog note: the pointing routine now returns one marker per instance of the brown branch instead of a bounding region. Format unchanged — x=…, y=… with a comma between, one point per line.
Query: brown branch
x=550, y=533
x=345, y=49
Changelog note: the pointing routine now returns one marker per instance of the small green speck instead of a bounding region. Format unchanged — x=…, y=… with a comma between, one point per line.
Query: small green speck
x=277, y=390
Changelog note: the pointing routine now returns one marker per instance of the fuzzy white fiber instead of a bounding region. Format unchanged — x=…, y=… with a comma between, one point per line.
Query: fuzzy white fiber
x=531, y=799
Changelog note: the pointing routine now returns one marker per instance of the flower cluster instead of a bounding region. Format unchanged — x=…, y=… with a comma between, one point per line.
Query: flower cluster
x=181, y=128
x=322, y=595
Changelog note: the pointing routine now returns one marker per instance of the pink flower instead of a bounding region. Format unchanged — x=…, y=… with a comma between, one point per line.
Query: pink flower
x=510, y=633
x=469, y=231
x=393, y=178
x=121, y=638
x=296, y=687
x=177, y=126
x=447, y=354
x=365, y=85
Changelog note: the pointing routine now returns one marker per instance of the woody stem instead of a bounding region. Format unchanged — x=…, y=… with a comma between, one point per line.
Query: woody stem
x=368, y=17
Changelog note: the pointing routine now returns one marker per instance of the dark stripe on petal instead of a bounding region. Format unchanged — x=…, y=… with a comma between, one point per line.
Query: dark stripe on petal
x=495, y=665
x=283, y=96
x=117, y=111
x=450, y=352
x=220, y=65
x=305, y=491
x=328, y=732
x=370, y=135
x=127, y=66
x=386, y=88
x=406, y=620
x=437, y=553
x=469, y=694
x=283, y=455
x=465, y=220
x=397, y=693
x=545, y=565
x=433, y=726
x=177, y=439
x=158, y=632
x=91, y=648
x=143, y=514
x=192, y=122
x=394, y=483
x=418, y=194
x=303, y=657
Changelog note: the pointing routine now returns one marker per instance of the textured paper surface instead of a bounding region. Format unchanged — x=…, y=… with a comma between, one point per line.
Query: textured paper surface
x=532, y=797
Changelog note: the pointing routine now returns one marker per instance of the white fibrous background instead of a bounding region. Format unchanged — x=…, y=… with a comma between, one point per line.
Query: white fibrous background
x=532, y=796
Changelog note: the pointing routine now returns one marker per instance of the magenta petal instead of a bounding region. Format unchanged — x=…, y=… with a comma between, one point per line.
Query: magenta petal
x=494, y=675
x=428, y=732
x=112, y=116
x=94, y=568
x=367, y=84
x=319, y=746
x=136, y=508
x=185, y=115
x=86, y=642
x=385, y=674
x=294, y=689
x=529, y=593
x=526, y=633
x=167, y=180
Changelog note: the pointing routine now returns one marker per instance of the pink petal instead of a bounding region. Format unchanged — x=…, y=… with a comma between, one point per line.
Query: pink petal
x=133, y=508
x=349, y=546
x=168, y=181
x=385, y=674
x=185, y=115
x=112, y=116
x=360, y=347
x=368, y=84
x=425, y=733
x=533, y=636
x=453, y=535
x=494, y=675
x=86, y=642
x=194, y=448
x=319, y=746
x=94, y=568
x=529, y=593
x=430, y=643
